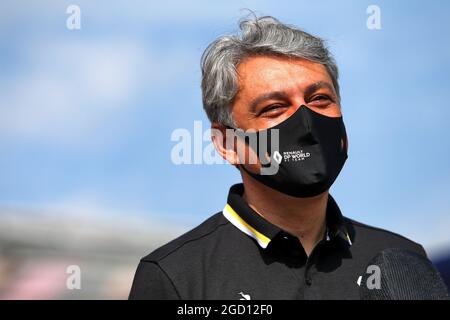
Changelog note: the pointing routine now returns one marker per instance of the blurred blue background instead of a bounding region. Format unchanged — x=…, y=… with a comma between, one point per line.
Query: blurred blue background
x=86, y=118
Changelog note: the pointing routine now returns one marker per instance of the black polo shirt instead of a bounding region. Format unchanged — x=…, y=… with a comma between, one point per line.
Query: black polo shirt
x=237, y=254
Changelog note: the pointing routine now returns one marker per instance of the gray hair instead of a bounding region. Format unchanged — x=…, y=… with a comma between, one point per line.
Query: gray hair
x=258, y=36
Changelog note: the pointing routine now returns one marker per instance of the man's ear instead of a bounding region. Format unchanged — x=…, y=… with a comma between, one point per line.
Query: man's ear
x=224, y=142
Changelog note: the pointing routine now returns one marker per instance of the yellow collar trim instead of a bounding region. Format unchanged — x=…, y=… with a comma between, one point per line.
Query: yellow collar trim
x=238, y=222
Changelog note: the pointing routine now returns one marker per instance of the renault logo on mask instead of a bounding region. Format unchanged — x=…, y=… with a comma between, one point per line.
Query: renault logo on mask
x=277, y=157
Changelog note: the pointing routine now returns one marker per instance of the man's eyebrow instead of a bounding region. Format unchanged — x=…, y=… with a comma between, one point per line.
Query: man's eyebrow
x=318, y=85
x=280, y=95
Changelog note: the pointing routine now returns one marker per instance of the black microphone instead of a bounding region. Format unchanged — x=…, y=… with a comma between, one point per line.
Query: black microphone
x=400, y=274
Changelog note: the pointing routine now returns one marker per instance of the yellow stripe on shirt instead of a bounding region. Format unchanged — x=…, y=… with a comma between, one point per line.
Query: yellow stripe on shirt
x=256, y=233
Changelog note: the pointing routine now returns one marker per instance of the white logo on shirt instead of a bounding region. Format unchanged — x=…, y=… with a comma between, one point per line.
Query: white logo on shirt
x=244, y=296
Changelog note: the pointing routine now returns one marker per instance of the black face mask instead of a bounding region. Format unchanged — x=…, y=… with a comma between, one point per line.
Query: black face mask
x=311, y=152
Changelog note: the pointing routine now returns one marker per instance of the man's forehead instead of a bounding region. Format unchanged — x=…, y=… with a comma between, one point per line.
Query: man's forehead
x=265, y=74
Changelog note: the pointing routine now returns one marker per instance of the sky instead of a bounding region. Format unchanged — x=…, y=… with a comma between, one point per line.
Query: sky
x=87, y=115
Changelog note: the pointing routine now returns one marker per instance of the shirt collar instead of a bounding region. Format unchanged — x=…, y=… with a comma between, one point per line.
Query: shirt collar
x=241, y=215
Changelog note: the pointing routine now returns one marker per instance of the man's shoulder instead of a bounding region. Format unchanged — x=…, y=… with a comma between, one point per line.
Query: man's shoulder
x=194, y=238
x=378, y=238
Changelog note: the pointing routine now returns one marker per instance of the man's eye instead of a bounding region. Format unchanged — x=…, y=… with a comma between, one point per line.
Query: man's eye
x=320, y=101
x=272, y=109
x=320, y=97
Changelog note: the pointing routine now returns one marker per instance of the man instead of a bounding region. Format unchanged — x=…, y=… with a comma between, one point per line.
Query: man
x=281, y=235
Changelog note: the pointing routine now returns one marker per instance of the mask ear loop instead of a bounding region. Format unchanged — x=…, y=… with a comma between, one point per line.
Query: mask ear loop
x=241, y=165
x=266, y=163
